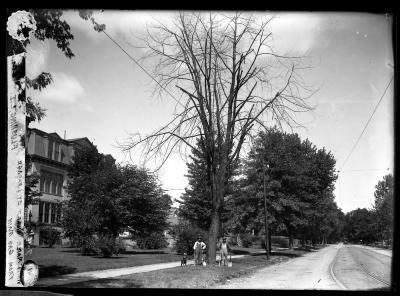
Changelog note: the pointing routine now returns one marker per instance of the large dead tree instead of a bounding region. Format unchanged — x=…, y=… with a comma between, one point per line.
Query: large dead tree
x=230, y=84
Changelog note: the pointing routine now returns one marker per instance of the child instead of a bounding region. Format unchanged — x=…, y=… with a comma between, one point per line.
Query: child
x=224, y=249
x=198, y=248
x=184, y=260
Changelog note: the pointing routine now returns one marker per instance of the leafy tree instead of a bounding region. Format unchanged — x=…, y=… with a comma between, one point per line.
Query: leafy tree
x=196, y=203
x=49, y=25
x=106, y=198
x=94, y=180
x=142, y=206
x=360, y=226
x=383, y=207
x=299, y=183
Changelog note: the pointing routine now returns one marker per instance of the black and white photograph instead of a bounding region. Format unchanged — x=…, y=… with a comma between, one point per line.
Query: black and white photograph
x=200, y=149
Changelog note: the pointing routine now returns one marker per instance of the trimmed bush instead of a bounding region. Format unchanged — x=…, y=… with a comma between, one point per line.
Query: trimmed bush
x=155, y=240
x=50, y=236
x=108, y=245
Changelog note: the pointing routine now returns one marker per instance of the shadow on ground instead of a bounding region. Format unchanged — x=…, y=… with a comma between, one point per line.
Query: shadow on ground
x=54, y=270
x=103, y=283
x=133, y=252
x=71, y=250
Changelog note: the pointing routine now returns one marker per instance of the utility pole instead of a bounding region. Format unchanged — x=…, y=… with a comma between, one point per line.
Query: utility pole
x=265, y=214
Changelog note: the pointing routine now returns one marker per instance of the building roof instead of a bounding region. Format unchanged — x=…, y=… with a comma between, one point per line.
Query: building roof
x=80, y=141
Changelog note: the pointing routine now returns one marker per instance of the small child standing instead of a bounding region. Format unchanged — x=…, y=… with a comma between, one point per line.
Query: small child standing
x=224, y=249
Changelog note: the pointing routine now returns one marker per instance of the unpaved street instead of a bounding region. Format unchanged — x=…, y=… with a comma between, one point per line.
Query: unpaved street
x=362, y=268
x=312, y=271
x=335, y=267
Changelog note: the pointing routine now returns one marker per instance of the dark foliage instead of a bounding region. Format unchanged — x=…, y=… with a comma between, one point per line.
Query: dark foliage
x=155, y=240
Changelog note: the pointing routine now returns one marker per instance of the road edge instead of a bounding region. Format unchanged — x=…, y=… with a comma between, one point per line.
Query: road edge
x=333, y=274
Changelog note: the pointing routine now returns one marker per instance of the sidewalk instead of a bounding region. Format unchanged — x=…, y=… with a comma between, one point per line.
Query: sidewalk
x=109, y=273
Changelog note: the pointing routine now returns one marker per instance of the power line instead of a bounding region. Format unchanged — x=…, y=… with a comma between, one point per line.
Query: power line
x=376, y=107
x=144, y=70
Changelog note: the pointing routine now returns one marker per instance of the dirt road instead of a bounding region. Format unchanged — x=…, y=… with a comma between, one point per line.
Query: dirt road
x=335, y=267
x=311, y=271
x=363, y=268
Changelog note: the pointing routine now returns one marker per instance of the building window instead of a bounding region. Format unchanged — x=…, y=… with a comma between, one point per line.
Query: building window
x=59, y=184
x=47, y=183
x=42, y=182
x=40, y=211
x=53, y=213
x=50, y=149
x=56, y=150
x=46, y=212
x=58, y=214
x=51, y=182
x=62, y=155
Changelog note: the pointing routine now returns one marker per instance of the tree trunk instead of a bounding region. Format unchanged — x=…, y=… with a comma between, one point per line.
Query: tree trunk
x=217, y=194
x=212, y=237
x=269, y=243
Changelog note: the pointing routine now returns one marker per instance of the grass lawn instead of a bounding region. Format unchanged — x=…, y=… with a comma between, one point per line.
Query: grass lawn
x=63, y=260
x=190, y=276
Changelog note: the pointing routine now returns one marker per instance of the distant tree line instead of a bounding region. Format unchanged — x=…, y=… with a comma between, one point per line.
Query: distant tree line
x=375, y=224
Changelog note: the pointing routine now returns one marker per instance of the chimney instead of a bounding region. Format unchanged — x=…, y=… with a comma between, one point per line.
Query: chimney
x=65, y=134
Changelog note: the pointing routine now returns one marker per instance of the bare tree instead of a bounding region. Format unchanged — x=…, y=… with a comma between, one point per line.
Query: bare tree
x=230, y=82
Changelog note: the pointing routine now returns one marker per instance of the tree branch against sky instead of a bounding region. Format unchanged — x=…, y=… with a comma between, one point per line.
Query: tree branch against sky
x=232, y=83
x=230, y=77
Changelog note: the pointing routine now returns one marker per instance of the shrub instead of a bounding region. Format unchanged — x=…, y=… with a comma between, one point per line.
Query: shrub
x=87, y=245
x=50, y=236
x=107, y=245
x=247, y=240
x=233, y=240
x=185, y=236
x=155, y=240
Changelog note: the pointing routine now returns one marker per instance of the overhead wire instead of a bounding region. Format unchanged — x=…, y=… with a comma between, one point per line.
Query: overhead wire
x=366, y=125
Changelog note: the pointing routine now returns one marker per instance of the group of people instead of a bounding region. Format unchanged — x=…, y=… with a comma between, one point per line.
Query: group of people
x=223, y=248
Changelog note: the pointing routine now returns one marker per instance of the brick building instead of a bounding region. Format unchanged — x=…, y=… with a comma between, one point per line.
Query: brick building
x=51, y=155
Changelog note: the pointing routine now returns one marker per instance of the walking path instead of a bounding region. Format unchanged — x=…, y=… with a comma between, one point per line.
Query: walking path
x=109, y=273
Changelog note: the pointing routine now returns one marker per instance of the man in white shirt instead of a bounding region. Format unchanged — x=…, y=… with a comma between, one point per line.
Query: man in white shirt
x=198, y=248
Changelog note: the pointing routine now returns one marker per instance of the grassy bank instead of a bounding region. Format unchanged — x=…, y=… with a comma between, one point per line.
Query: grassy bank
x=190, y=276
x=62, y=260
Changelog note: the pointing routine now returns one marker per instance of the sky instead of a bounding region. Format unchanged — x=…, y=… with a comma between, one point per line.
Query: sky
x=103, y=95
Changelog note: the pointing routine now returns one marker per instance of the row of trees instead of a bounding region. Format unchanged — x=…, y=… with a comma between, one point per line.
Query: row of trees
x=300, y=183
x=375, y=224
